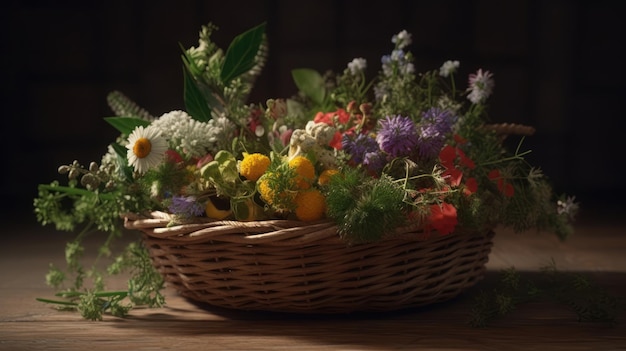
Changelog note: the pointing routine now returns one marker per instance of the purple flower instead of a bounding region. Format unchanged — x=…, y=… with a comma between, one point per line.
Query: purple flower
x=397, y=136
x=186, y=206
x=440, y=119
x=357, y=147
x=375, y=161
x=433, y=129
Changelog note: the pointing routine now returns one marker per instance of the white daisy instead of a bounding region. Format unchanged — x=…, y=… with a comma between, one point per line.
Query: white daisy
x=146, y=148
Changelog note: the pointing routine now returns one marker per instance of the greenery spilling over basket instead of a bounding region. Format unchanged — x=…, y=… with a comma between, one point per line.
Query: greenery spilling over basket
x=354, y=194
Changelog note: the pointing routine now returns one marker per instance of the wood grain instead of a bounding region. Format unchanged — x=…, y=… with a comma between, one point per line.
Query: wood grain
x=596, y=249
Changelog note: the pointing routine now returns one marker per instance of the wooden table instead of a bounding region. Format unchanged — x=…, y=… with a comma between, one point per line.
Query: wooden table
x=597, y=248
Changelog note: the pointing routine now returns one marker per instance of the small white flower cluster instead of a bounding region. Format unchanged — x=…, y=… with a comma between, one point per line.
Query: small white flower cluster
x=448, y=68
x=402, y=39
x=357, y=65
x=189, y=136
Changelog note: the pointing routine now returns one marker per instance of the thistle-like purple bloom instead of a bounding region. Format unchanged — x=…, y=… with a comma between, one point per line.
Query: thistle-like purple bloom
x=397, y=136
x=375, y=161
x=186, y=206
x=358, y=146
x=435, y=125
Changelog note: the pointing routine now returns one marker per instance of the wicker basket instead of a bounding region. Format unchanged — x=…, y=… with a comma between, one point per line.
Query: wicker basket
x=285, y=266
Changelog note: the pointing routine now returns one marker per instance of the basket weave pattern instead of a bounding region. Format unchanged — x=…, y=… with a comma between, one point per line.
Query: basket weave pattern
x=283, y=266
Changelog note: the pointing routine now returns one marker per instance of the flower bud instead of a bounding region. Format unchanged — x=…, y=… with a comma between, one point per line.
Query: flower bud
x=90, y=181
x=366, y=108
x=277, y=108
x=64, y=169
x=73, y=173
x=352, y=108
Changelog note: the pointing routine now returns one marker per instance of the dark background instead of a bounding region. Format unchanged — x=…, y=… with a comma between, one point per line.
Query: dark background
x=558, y=65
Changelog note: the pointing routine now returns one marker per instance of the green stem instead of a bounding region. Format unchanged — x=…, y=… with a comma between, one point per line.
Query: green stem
x=74, y=191
x=65, y=303
x=70, y=294
x=517, y=156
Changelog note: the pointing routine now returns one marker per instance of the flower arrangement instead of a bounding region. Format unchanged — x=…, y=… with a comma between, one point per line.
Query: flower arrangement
x=369, y=154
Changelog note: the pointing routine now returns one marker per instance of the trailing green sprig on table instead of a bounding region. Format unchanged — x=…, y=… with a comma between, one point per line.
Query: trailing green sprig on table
x=590, y=302
x=144, y=284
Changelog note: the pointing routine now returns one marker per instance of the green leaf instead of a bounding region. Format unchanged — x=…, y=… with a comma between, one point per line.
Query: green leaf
x=190, y=63
x=121, y=152
x=126, y=124
x=195, y=101
x=311, y=83
x=241, y=208
x=241, y=54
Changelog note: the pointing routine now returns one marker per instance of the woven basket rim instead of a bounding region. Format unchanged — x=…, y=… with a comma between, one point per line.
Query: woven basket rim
x=157, y=224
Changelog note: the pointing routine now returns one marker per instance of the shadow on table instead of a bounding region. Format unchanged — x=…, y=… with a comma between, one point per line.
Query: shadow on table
x=438, y=325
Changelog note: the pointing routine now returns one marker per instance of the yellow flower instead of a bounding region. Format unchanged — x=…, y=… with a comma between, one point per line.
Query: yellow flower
x=310, y=205
x=325, y=176
x=275, y=195
x=212, y=210
x=305, y=171
x=253, y=166
x=266, y=192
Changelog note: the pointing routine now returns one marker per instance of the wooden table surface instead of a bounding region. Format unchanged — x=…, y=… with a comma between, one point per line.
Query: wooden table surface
x=597, y=248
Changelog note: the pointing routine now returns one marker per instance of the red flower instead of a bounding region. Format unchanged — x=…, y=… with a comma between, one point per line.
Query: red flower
x=255, y=121
x=443, y=218
x=447, y=155
x=336, y=141
x=459, y=139
x=504, y=187
x=322, y=117
x=471, y=186
x=465, y=161
x=340, y=116
x=494, y=174
x=337, y=118
x=173, y=156
x=453, y=176
x=508, y=190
